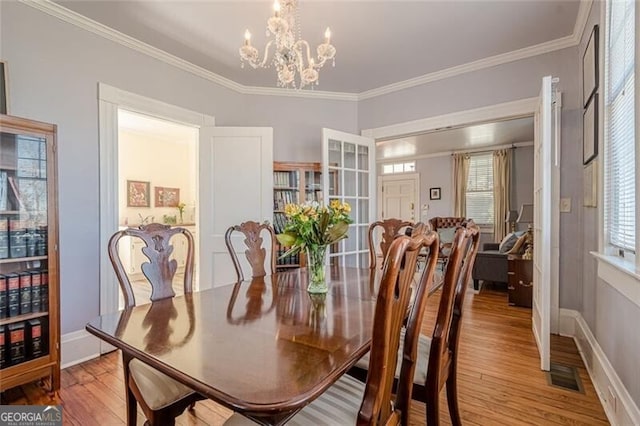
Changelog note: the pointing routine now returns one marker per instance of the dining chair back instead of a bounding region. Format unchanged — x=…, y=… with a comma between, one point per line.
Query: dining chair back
x=454, y=334
x=385, y=230
x=255, y=252
x=443, y=346
x=161, y=398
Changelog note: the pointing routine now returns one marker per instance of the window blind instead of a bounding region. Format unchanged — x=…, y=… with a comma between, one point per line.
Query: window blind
x=619, y=137
x=479, y=195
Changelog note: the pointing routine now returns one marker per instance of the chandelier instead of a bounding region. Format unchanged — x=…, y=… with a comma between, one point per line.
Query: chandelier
x=291, y=54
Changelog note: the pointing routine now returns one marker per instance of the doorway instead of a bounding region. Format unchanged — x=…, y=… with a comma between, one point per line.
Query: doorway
x=157, y=183
x=399, y=196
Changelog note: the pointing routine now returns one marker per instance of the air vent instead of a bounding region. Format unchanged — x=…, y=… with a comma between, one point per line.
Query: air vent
x=565, y=376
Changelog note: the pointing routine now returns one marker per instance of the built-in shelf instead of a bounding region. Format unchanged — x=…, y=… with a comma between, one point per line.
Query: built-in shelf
x=22, y=259
x=23, y=317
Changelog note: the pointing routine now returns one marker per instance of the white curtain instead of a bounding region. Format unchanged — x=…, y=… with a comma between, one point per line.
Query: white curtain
x=460, y=176
x=501, y=191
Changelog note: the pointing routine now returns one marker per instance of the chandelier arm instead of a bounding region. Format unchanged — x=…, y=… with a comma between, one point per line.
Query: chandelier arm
x=299, y=48
x=266, y=54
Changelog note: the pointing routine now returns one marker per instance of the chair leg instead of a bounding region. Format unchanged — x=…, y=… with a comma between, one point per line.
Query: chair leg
x=452, y=398
x=433, y=409
x=130, y=400
x=476, y=285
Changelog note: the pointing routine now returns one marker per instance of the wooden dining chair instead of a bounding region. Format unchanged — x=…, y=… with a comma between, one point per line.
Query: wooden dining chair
x=431, y=361
x=161, y=398
x=349, y=401
x=255, y=252
x=390, y=228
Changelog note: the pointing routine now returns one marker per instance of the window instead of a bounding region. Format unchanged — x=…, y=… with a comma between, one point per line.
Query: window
x=619, y=132
x=399, y=168
x=479, y=195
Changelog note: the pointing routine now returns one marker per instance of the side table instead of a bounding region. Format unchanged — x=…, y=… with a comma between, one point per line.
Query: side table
x=520, y=281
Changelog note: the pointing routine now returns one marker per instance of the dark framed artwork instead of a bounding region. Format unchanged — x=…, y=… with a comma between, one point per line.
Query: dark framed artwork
x=590, y=70
x=138, y=193
x=4, y=88
x=167, y=197
x=590, y=131
x=434, y=193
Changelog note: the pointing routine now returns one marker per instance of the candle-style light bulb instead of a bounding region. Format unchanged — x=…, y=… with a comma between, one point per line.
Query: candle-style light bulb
x=276, y=7
x=327, y=35
x=247, y=37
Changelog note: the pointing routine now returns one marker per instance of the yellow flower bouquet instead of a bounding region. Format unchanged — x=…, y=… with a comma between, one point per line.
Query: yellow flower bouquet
x=313, y=227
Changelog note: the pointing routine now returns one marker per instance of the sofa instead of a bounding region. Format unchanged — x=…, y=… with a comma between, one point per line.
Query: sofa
x=492, y=263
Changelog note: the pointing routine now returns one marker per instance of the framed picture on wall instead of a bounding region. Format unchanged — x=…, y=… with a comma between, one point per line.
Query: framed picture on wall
x=138, y=193
x=167, y=197
x=434, y=193
x=590, y=67
x=590, y=131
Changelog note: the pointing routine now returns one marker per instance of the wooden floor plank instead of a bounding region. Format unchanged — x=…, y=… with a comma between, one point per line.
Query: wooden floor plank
x=500, y=382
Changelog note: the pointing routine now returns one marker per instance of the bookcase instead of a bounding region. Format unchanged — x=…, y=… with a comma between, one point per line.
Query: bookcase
x=293, y=183
x=29, y=271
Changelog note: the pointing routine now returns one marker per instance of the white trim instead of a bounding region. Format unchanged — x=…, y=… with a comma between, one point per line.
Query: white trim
x=391, y=160
x=78, y=346
x=620, y=275
x=581, y=20
x=71, y=17
x=110, y=100
x=74, y=18
x=621, y=409
x=506, y=110
x=488, y=62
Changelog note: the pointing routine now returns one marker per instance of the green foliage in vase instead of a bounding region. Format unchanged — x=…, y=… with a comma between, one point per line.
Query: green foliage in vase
x=313, y=225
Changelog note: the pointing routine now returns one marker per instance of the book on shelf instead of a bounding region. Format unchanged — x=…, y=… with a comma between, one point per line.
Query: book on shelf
x=3, y=190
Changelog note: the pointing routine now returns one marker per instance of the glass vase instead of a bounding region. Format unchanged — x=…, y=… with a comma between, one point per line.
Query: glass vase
x=316, y=267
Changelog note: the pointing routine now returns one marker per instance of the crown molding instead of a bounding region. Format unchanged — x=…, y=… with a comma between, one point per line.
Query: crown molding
x=581, y=20
x=295, y=93
x=109, y=33
x=511, y=109
x=74, y=18
x=490, y=61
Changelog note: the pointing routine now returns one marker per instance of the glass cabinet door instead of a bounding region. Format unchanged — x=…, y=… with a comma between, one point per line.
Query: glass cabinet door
x=28, y=294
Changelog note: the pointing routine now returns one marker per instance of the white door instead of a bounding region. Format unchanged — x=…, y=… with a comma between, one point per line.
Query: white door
x=399, y=196
x=546, y=218
x=235, y=185
x=349, y=175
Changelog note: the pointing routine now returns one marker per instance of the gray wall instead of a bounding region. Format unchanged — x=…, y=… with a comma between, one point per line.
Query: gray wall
x=435, y=172
x=611, y=316
x=503, y=83
x=522, y=180
x=54, y=70
x=438, y=172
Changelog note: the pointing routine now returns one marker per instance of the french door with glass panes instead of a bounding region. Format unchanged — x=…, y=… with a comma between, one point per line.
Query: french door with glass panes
x=349, y=175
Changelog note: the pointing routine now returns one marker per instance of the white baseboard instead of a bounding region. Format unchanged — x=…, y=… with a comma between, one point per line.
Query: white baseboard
x=78, y=346
x=616, y=401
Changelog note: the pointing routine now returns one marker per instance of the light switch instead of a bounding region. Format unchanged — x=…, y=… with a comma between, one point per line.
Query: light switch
x=565, y=205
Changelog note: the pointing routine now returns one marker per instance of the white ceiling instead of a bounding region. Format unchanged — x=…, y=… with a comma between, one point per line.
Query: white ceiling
x=463, y=138
x=378, y=42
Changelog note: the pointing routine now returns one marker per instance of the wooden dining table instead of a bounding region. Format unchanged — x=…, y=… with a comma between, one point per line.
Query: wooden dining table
x=264, y=347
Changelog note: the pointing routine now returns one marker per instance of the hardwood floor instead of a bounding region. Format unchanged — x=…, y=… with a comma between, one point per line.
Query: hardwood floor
x=499, y=378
